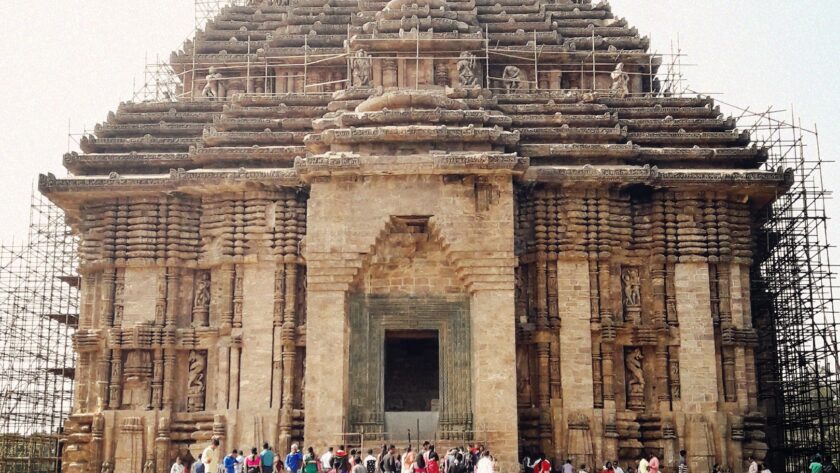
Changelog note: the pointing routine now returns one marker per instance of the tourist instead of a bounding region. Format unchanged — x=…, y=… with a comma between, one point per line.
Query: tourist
x=198, y=466
x=210, y=457
x=253, y=462
x=326, y=460
x=433, y=465
x=828, y=465
x=294, y=459
x=370, y=462
x=682, y=466
x=583, y=468
x=178, y=466
x=230, y=461
x=419, y=465
x=568, y=467
x=389, y=460
x=380, y=457
x=340, y=462
x=653, y=463
x=485, y=462
x=310, y=461
x=407, y=459
x=267, y=457
x=352, y=457
x=643, y=465
x=617, y=467
x=240, y=462
x=541, y=464
x=358, y=466
x=816, y=464
x=608, y=468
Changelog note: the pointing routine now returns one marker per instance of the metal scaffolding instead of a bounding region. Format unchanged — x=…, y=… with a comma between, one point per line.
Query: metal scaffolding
x=793, y=298
x=38, y=315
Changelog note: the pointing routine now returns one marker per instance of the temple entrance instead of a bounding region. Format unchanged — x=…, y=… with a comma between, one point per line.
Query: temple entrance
x=412, y=371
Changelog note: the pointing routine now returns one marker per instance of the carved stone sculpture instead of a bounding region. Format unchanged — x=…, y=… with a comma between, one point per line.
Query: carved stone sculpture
x=214, y=88
x=620, y=82
x=106, y=467
x=196, y=385
x=513, y=79
x=631, y=293
x=201, y=302
x=361, y=68
x=635, y=378
x=149, y=467
x=468, y=70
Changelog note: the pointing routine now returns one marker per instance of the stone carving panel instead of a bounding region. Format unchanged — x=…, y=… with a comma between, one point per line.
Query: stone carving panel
x=635, y=376
x=196, y=381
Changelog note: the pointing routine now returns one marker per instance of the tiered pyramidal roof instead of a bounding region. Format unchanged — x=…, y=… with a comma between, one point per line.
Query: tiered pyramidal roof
x=564, y=90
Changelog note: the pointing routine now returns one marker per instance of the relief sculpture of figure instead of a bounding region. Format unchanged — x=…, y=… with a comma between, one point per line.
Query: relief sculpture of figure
x=149, y=467
x=630, y=278
x=202, y=292
x=361, y=67
x=195, y=384
x=468, y=70
x=633, y=363
x=106, y=467
x=513, y=79
x=620, y=82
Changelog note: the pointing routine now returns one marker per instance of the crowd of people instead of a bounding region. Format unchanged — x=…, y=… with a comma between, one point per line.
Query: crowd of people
x=473, y=459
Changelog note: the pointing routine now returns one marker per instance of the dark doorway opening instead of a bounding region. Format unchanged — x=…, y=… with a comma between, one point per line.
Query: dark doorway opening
x=412, y=370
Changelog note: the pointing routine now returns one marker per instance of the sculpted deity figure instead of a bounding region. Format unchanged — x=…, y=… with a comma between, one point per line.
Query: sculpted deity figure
x=468, y=70
x=195, y=384
x=513, y=79
x=636, y=378
x=202, y=292
x=620, y=82
x=106, y=467
x=630, y=278
x=361, y=67
x=149, y=467
x=214, y=89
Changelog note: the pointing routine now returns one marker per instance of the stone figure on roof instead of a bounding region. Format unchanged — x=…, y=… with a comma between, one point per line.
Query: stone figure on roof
x=513, y=79
x=361, y=67
x=214, y=88
x=468, y=70
x=620, y=82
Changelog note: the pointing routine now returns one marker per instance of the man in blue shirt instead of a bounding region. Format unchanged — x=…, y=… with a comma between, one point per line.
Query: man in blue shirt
x=267, y=457
x=230, y=462
x=294, y=459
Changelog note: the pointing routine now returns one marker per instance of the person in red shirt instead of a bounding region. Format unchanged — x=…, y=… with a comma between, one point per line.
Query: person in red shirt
x=542, y=465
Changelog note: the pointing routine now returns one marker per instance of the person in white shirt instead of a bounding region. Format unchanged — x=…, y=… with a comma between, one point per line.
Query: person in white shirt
x=178, y=466
x=210, y=457
x=240, y=463
x=326, y=460
x=617, y=468
x=485, y=463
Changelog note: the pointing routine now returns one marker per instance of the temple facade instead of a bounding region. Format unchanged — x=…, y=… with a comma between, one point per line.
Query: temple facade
x=464, y=221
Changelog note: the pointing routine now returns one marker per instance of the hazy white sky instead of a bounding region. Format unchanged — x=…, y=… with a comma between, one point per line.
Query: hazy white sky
x=74, y=60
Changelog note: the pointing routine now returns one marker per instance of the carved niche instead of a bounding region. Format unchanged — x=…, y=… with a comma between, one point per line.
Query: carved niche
x=196, y=381
x=137, y=378
x=631, y=290
x=468, y=70
x=201, y=301
x=360, y=66
x=635, y=377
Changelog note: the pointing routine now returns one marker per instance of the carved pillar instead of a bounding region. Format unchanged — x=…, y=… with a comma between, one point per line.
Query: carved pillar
x=238, y=281
x=540, y=232
x=674, y=372
x=226, y=273
x=277, y=350
x=156, y=401
x=168, y=376
x=119, y=297
x=160, y=302
x=115, y=396
x=235, y=365
x=108, y=288
x=597, y=376
x=441, y=74
x=662, y=388
x=543, y=393
x=608, y=370
x=102, y=380
x=289, y=334
x=96, y=443
x=162, y=442
x=556, y=386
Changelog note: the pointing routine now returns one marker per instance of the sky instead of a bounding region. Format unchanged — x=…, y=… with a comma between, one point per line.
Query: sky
x=65, y=64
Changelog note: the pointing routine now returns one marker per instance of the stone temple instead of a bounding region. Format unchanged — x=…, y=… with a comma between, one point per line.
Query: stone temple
x=482, y=218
